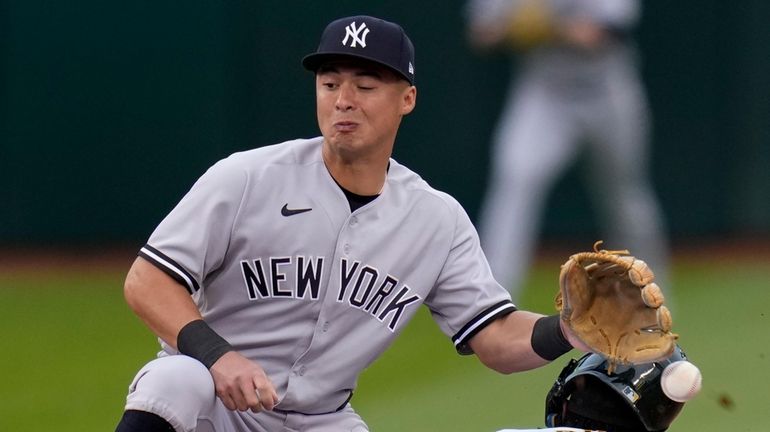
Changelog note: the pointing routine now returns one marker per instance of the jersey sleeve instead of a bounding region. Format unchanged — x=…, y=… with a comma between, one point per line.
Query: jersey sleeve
x=466, y=297
x=193, y=238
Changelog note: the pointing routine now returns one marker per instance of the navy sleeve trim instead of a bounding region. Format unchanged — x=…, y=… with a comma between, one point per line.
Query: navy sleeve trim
x=481, y=320
x=170, y=267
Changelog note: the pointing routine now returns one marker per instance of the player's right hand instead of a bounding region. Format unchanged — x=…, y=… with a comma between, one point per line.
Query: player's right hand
x=242, y=384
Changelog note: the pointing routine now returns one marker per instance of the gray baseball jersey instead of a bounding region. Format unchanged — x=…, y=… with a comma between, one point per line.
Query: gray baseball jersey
x=279, y=266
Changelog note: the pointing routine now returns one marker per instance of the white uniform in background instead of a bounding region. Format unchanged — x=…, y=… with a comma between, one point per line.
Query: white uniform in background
x=568, y=99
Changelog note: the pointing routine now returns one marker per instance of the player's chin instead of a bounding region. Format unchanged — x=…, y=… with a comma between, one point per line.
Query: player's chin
x=344, y=142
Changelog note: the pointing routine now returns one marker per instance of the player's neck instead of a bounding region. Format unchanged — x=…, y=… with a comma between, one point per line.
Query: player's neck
x=361, y=177
x=359, y=182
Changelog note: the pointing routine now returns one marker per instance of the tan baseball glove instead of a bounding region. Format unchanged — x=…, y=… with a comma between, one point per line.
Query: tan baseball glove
x=610, y=302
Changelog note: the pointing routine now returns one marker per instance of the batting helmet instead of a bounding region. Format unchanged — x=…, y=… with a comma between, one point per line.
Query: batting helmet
x=628, y=400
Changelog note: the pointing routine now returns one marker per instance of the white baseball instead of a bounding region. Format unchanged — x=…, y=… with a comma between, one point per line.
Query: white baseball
x=681, y=381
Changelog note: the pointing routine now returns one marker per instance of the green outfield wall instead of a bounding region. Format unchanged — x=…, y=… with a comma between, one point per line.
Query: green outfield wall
x=110, y=110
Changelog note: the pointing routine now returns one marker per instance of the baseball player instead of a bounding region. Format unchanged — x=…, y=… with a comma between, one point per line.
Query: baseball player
x=286, y=270
x=576, y=86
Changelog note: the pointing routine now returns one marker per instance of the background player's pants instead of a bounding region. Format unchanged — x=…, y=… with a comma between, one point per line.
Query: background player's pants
x=538, y=135
x=180, y=389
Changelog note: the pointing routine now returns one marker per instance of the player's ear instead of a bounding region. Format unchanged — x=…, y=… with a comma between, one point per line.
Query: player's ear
x=409, y=100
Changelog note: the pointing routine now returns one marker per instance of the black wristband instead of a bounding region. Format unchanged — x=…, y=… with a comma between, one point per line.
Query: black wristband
x=548, y=341
x=201, y=342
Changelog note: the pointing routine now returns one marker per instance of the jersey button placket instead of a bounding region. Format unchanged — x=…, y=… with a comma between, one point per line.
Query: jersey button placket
x=352, y=222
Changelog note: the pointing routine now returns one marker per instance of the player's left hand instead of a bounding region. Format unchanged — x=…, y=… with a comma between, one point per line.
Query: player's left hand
x=242, y=384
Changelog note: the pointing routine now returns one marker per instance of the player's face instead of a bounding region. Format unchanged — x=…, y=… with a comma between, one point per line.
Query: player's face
x=359, y=106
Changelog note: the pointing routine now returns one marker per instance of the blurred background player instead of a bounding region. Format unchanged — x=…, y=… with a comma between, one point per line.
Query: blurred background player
x=577, y=88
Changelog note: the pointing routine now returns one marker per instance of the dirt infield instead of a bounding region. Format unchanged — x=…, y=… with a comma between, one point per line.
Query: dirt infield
x=755, y=250
x=58, y=259
x=119, y=258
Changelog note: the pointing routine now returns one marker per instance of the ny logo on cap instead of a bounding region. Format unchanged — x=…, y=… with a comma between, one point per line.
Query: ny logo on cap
x=353, y=32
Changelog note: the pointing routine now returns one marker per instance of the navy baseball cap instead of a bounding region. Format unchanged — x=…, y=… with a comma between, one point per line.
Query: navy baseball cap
x=368, y=38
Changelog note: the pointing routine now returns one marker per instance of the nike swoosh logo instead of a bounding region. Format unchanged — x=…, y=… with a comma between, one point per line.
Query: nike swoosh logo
x=286, y=211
